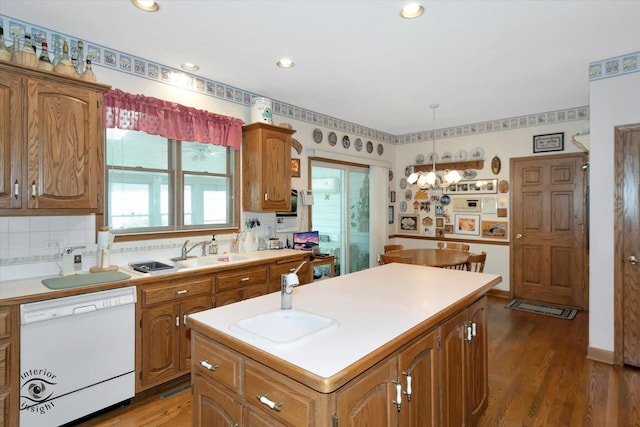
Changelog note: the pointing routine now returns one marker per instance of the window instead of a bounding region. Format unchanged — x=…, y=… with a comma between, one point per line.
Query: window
x=155, y=184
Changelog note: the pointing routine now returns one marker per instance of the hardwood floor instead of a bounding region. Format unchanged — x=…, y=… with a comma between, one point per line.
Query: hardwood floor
x=538, y=376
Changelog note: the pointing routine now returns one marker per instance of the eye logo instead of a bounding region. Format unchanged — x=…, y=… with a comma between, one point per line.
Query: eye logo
x=35, y=390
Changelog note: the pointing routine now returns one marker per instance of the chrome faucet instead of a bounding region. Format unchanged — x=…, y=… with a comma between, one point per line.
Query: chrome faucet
x=288, y=282
x=186, y=251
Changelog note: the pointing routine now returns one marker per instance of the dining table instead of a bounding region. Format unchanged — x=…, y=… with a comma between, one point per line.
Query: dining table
x=434, y=257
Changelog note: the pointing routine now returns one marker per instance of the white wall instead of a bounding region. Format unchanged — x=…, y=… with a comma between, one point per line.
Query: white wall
x=614, y=101
x=506, y=145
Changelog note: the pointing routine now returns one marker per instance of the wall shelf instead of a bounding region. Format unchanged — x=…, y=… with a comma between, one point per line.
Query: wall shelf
x=468, y=164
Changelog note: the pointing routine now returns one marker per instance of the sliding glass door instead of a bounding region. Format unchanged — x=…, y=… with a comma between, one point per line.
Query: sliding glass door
x=340, y=213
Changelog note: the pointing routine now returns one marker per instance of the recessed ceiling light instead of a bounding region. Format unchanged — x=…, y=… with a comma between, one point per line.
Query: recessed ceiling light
x=146, y=5
x=412, y=10
x=188, y=66
x=286, y=63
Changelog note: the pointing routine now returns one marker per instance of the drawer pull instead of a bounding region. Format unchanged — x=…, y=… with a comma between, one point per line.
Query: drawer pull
x=208, y=366
x=271, y=404
x=245, y=279
x=182, y=292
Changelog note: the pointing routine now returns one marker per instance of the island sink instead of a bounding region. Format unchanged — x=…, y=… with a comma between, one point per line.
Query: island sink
x=282, y=327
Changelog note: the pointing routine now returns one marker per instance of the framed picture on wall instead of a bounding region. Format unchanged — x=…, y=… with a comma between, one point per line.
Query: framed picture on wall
x=408, y=223
x=467, y=224
x=391, y=214
x=494, y=229
x=548, y=142
x=295, y=168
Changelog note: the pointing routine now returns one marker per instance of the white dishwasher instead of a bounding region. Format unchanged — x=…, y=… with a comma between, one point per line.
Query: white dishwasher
x=77, y=356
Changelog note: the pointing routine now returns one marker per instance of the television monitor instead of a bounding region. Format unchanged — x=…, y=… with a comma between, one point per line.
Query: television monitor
x=306, y=240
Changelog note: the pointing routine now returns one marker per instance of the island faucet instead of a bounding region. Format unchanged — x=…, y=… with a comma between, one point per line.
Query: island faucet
x=288, y=282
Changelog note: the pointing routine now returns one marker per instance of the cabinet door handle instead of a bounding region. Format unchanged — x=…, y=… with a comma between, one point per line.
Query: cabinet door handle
x=408, y=392
x=266, y=197
x=473, y=329
x=469, y=337
x=177, y=321
x=184, y=319
x=33, y=190
x=16, y=189
x=208, y=366
x=398, y=400
x=270, y=403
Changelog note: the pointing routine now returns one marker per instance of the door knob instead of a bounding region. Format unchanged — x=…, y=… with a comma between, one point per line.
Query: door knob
x=632, y=260
x=519, y=236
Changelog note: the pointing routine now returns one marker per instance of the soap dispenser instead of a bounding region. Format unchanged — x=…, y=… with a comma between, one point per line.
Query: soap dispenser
x=213, y=247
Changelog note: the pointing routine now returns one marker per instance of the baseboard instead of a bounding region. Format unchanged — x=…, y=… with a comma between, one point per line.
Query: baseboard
x=499, y=293
x=600, y=355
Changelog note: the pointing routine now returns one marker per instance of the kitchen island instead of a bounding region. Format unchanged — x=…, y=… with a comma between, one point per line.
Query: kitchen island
x=409, y=349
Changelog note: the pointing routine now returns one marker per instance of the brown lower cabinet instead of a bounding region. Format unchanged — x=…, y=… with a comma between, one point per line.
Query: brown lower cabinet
x=446, y=366
x=165, y=338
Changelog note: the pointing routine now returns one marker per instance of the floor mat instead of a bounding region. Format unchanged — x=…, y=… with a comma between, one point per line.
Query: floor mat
x=542, y=308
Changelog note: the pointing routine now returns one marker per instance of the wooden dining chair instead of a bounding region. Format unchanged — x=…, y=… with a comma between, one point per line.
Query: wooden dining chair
x=453, y=246
x=464, y=266
x=387, y=259
x=392, y=248
x=476, y=262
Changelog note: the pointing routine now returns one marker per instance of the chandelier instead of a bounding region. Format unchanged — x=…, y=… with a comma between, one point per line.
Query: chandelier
x=434, y=179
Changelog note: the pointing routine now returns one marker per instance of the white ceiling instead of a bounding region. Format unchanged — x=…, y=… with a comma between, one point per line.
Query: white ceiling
x=359, y=61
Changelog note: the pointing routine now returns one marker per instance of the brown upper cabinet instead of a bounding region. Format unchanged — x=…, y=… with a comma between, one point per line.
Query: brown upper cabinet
x=266, y=168
x=51, y=143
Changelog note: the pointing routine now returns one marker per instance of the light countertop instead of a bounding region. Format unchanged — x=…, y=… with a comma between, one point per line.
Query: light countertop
x=373, y=307
x=22, y=288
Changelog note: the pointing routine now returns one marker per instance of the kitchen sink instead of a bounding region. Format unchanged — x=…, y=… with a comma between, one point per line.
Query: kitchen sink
x=207, y=261
x=153, y=267
x=283, y=327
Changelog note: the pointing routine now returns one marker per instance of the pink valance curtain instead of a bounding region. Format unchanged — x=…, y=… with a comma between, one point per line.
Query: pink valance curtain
x=170, y=120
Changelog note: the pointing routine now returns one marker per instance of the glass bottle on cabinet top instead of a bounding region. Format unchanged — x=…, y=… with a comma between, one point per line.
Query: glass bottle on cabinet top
x=88, y=74
x=56, y=50
x=5, y=53
x=15, y=48
x=80, y=57
x=27, y=55
x=64, y=66
x=44, y=63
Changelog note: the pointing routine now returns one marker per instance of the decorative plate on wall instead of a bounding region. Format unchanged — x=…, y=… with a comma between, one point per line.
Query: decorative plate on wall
x=390, y=175
x=407, y=171
x=419, y=159
x=333, y=139
x=469, y=174
x=461, y=155
x=357, y=144
x=446, y=157
x=346, y=142
x=403, y=183
x=369, y=147
x=477, y=153
x=317, y=136
x=403, y=206
x=408, y=195
x=432, y=157
x=496, y=165
x=380, y=149
x=445, y=200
